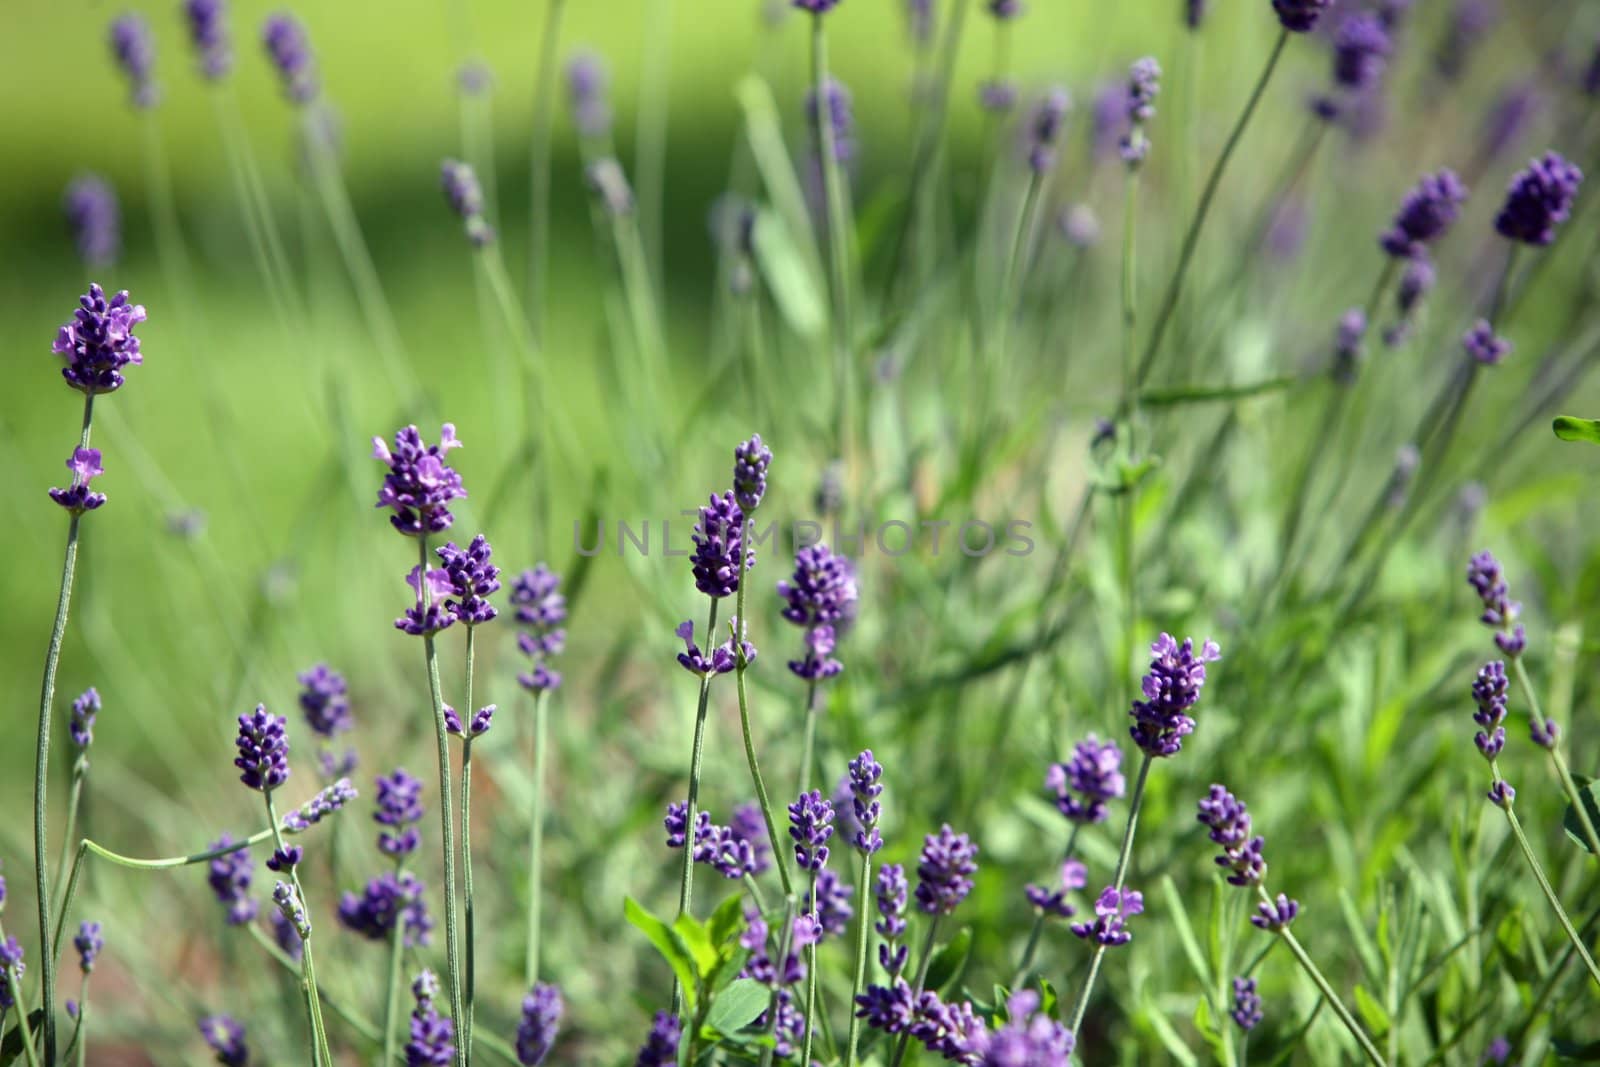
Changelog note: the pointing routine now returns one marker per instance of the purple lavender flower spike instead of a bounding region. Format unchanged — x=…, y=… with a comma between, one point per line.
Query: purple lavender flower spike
x=324, y=697
x=816, y=7
x=1489, y=691
x=810, y=826
x=997, y=95
x=1276, y=915
x=1107, y=118
x=542, y=1009
x=229, y=876
x=865, y=787
x=481, y=721
x=660, y=1048
x=1088, y=781
x=399, y=809
x=433, y=1035
x=1111, y=909
x=287, y=937
x=587, y=85
x=891, y=1009
x=326, y=802
x=419, y=485
x=719, y=546
x=1230, y=827
x=90, y=205
x=1246, y=1012
x=465, y=197
x=1416, y=281
x=472, y=579
x=719, y=661
x=831, y=907
x=1300, y=16
x=749, y=826
x=1500, y=612
x=78, y=497
x=1172, y=687
x=821, y=598
x=540, y=610
x=945, y=870
x=226, y=1036
x=99, y=341
x=1514, y=110
x=209, y=36
x=891, y=894
x=840, y=113
x=1539, y=200
x=1029, y=1038
x=1426, y=214
x=1044, y=129
x=1484, y=345
x=290, y=52
x=134, y=49
x=1194, y=13
x=608, y=182
x=1545, y=734
x=1361, y=49
x=1498, y=1052
x=1469, y=24
x=263, y=750
x=428, y=614
x=750, y=462
x=292, y=907
x=388, y=899
x=1053, y=902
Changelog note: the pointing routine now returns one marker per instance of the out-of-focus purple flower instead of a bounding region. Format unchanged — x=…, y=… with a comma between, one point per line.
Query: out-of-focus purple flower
x=389, y=898
x=81, y=725
x=419, y=485
x=1361, y=48
x=1425, y=214
x=327, y=801
x=1277, y=914
x=11, y=965
x=1500, y=612
x=944, y=871
x=810, y=826
x=1498, y=1052
x=715, y=846
x=719, y=547
x=287, y=937
x=1107, y=118
x=1091, y=777
x=542, y=1009
x=750, y=826
x=1044, y=129
x=891, y=1009
x=1500, y=794
x=1484, y=345
x=1029, y=1038
x=78, y=497
x=750, y=462
x=840, y=113
x=866, y=786
x=1349, y=344
x=1489, y=691
x=99, y=341
x=1194, y=13
x=997, y=95
x=1005, y=9
x=1079, y=225
x=890, y=895
x=465, y=196
x=1545, y=734
x=540, y=610
x=831, y=906
x=1111, y=909
x=209, y=36
x=588, y=85
x=1508, y=119
x=324, y=697
x=427, y=615
x=290, y=53
x=1048, y=901
x=399, y=809
x=89, y=944
x=1172, y=687
x=476, y=727
x=1300, y=16
x=821, y=595
x=474, y=78
x=263, y=746
x=472, y=579
x=226, y=1037
x=134, y=49
x=1230, y=827
x=609, y=184
x=1469, y=24
x=90, y=204
x=433, y=1035
x=720, y=660
x=1246, y=1012
x=1416, y=281
x=660, y=1048
x=229, y=876
x=816, y=7
x=1539, y=200
x=919, y=21
x=1286, y=232
x=1406, y=460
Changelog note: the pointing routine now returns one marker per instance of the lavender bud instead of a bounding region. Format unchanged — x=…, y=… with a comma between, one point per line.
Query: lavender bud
x=1300, y=16
x=1246, y=1011
x=588, y=84
x=99, y=341
x=263, y=746
x=1044, y=129
x=90, y=204
x=542, y=1009
x=399, y=809
x=209, y=36
x=81, y=726
x=821, y=597
x=1484, y=345
x=660, y=1048
x=1230, y=827
x=841, y=119
x=865, y=788
x=1360, y=50
x=226, y=1036
x=229, y=876
x=1277, y=915
x=89, y=944
x=465, y=197
x=945, y=870
x=290, y=53
x=1501, y=795
x=1111, y=909
x=134, y=49
x=1171, y=689
x=1539, y=200
x=540, y=610
x=750, y=462
x=1091, y=777
x=432, y=1038
x=419, y=484
x=325, y=701
x=810, y=826
x=1425, y=214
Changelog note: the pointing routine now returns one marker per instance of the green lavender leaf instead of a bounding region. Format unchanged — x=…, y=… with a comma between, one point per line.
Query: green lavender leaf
x=1569, y=428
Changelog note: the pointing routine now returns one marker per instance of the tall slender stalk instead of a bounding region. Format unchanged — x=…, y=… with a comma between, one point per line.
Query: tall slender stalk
x=446, y=814
x=863, y=926
x=780, y=858
x=696, y=753
x=41, y=768
x=1191, y=237
x=811, y=977
x=808, y=740
x=1130, y=410
x=80, y=770
x=838, y=241
x=539, y=209
x=391, y=1002
x=470, y=978
x=541, y=704
x=1568, y=786
x=308, y=970
x=1357, y=1031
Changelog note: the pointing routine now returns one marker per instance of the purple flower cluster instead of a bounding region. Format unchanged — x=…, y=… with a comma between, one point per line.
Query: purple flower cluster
x=587, y=84
x=750, y=462
x=476, y=727
x=952, y=1031
x=1161, y=720
x=1500, y=612
x=427, y=615
x=1483, y=345
x=419, y=485
x=1489, y=691
x=79, y=497
x=830, y=907
x=944, y=871
x=99, y=341
x=866, y=786
x=1229, y=822
x=1361, y=49
x=1111, y=908
x=226, y=1037
x=465, y=197
x=1500, y=794
x=290, y=53
x=839, y=111
x=1246, y=1011
x=1029, y=1037
x=750, y=826
x=1300, y=16
x=719, y=546
x=399, y=810
x=327, y=801
x=720, y=660
x=209, y=36
x=542, y=1009
x=721, y=848
x=891, y=893
x=810, y=826
x=11, y=965
x=541, y=610
x=263, y=746
x=433, y=1035
x=1088, y=781
x=1277, y=914
x=89, y=944
x=1416, y=281
x=229, y=876
x=324, y=698
x=660, y=1048
x=472, y=579
x=1426, y=214
x=1044, y=129
x=821, y=597
x=134, y=49
x=1539, y=200
x=90, y=205
x=1144, y=84
x=389, y=898
x=81, y=725
x=1053, y=902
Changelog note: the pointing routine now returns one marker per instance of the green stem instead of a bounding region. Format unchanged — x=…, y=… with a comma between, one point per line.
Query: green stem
x=1567, y=784
x=539, y=210
x=41, y=770
x=80, y=769
x=863, y=926
x=446, y=815
x=1191, y=238
x=1546, y=888
x=541, y=702
x=391, y=1003
x=1356, y=1031
x=780, y=858
x=80, y=1034
x=308, y=972
x=811, y=977
x=696, y=754
x=1130, y=410
x=838, y=238
x=808, y=739
x=470, y=978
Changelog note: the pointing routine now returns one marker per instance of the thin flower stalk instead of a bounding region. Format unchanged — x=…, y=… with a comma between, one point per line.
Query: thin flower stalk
x=696, y=755
x=1557, y=760
x=838, y=241
x=469, y=964
x=539, y=209
x=541, y=711
x=1357, y=1031
x=308, y=971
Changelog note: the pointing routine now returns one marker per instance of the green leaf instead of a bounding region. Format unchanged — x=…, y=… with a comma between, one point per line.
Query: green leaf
x=1180, y=921
x=1589, y=793
x=1569, y=428
x=11, y=1047
x=667, y=942
x=1359, y=937
x=1168, y=1034
x=1292, y=1043
x=1372, y=1013
x=737, y=1006
x=793, y=287
x=1047, y=997
x=698, y=941
x=1178, y=395
x=949, y=961
x=727, y=920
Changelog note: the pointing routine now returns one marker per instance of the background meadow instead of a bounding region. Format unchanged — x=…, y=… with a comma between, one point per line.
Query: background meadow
x=241, y=547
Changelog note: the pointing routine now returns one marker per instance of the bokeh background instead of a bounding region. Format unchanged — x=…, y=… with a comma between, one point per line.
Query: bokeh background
x=240, y=545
